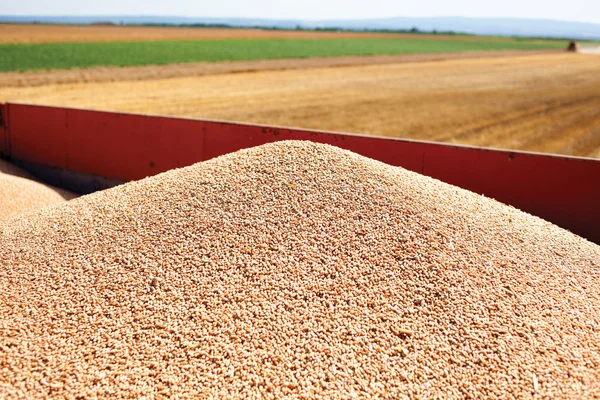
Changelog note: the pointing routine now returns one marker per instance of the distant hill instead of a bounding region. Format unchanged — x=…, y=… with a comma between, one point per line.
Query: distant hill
x=478, y=26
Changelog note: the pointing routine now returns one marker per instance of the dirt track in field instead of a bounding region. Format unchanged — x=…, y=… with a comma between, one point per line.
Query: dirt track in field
x=154, y=72
x=590, y=50
x=38, y=33
x=544, y=102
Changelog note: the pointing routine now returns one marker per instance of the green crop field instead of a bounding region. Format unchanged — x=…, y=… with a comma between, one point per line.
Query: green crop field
x=23, y=57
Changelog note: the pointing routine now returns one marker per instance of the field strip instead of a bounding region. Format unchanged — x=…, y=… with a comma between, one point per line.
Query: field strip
x=52, y=56
x=156, y=72
x=46, y=33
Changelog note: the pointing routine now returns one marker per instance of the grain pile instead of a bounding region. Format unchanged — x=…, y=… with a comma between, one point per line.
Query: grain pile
x=20, y=193
x=301, y=270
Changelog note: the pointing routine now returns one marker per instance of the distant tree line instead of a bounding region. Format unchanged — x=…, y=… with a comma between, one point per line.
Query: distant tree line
x=414, y=30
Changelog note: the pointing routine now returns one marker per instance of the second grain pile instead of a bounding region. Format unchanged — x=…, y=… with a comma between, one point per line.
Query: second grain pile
x=301, y=270
x=20, y=193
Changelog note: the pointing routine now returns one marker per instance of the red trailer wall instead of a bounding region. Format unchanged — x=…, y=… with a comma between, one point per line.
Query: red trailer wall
x=563, y=190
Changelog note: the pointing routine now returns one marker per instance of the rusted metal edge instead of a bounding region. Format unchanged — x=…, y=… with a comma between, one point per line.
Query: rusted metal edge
x=4, y=131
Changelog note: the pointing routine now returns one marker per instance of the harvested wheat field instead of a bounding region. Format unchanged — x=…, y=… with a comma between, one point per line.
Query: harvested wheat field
x=544, y=102
x=295, y=270
x=20, y=193
x=195, y=69
x=48, y=33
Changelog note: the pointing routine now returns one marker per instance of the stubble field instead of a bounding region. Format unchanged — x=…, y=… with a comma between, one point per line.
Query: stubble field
x=536, y=102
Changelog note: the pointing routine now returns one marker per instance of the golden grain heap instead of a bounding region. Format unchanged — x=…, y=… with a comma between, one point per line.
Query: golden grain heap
x=295, y=270
x=20, y=193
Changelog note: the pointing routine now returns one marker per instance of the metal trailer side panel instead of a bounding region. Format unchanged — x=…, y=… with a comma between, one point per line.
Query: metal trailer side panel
x=123, y=147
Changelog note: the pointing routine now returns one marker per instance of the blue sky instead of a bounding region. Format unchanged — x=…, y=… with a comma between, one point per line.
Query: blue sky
x=572, y=10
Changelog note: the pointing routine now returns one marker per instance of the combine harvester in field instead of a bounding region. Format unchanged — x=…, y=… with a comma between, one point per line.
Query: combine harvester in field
x=586, y=48
x=573, y=46
x=282, y=264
